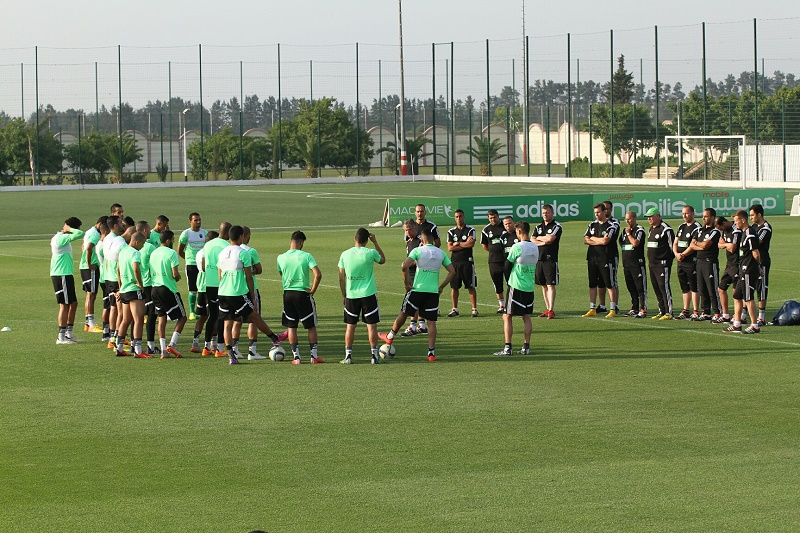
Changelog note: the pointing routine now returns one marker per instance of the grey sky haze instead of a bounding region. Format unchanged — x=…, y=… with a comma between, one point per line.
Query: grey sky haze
x=58, y=23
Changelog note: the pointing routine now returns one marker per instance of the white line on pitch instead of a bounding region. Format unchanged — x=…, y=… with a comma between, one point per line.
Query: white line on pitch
x=758, y=338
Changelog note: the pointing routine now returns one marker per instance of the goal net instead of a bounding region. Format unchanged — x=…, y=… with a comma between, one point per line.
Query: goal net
x=706, y=157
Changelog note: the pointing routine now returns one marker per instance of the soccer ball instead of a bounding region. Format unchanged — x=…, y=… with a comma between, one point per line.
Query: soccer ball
x=387, y=350
x=276, y=353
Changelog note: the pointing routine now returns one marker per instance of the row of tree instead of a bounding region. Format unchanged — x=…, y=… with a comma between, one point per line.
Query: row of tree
x=165, y=118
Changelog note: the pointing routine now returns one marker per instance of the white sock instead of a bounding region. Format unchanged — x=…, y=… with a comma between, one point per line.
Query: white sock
x=174, y=341
x=163, y=343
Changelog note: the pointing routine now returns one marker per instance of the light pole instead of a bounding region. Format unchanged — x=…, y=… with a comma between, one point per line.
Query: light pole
x=185, y=170
x=483, y=108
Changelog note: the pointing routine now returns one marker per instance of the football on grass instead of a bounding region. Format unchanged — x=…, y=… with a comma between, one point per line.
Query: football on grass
x=387, y=350
x=277, y=353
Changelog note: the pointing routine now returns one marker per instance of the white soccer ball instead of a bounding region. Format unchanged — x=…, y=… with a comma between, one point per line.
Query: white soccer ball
x=387, y=350
x=276, y=353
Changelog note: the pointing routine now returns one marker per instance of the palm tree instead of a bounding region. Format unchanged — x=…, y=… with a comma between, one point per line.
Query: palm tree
x=312, y=151
x=414, y=149
x=485, y=152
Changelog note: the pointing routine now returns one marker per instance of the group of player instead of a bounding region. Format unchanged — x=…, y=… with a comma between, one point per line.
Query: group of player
x=136, y=270
x=696, y=247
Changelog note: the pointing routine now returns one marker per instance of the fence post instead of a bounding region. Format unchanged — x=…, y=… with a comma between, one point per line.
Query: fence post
x=591, y=133
x=358, y=128
x=547, y=139
x=526, y=143
x=470, y=141
x=452, y=111
x=380, y=114
x=169, y=114
x=569, y=108
x=241, y=121
x=755, y=93
x=658, y=121
x=119, y=109
x=488, y=113
x=280, y=121
x=433, y=101
x=611, y=99
x=202, y=140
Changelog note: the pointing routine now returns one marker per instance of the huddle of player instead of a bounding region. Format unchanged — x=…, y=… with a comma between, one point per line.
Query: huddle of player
x=136, y=269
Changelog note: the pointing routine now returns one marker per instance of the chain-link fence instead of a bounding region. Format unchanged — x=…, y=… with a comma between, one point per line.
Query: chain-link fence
x=596, y=104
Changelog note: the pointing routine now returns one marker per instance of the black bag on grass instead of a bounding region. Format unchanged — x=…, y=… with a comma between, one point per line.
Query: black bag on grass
x=789, y=314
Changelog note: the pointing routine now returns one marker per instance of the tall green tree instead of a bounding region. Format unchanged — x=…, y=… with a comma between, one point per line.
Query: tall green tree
x=342, y=144
x=222, y=156
x=623, y=89
x=632, y=127
x=28, y=148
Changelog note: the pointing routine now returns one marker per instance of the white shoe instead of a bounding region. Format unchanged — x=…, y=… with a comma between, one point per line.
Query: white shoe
x=237, y=353
x=254, y=356
x=74, y=340
x=66, y=340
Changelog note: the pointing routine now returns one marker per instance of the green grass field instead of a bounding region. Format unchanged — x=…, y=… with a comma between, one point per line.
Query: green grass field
x=609, y=425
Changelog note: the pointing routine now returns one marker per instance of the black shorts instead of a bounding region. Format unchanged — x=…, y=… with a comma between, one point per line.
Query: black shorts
x=128, y=297
x=496, y=273
x=235, y=308
x=112, y=287
x=106, y=295
x=546, y=273
x=763, y=282
x=519, y=303
x=148, y=301
x=299, y=308
x=212, y=296
x=191, y=277
x=89, y=279
x=601, y=274
x=201, y=308
x=426, y=303
x=365, y=308
x=256, y=305
x=64, y=287
x=746, y=285
x=465, y=275
x=687, y=276
x=168, y=303
x=729, y=277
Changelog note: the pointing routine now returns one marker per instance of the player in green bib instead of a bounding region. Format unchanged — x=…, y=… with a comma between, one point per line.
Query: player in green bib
x=131, y=293
x=164, y=264
x=191, y=241
x=162, y=223
x=235, y=295
x=519, y=300
x=151, y=319
x=296, y=267
x=359, y=292
x=423, y=295
x=90, y=267
x=62, y=269
x=257, y=268
x=211, y=252
x=201, y=307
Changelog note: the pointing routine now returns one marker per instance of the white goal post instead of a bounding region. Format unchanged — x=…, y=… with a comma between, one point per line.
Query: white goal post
x=727, y=156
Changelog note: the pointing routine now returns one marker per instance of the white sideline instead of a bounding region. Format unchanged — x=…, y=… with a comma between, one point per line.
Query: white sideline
x=559, y=180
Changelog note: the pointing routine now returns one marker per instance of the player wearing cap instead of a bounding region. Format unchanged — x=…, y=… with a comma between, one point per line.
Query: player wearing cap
x=660, y=256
